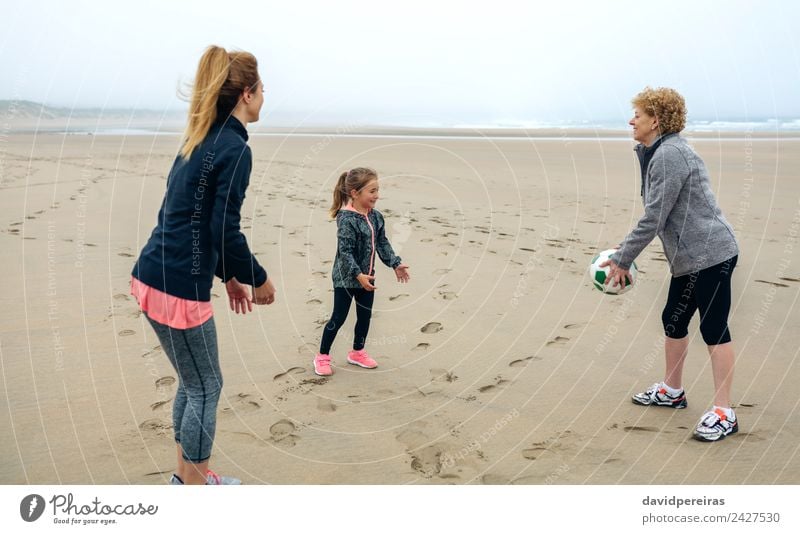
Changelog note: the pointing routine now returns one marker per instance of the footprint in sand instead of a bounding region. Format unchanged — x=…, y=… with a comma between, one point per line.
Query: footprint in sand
x=126, y=332
x=325, y=405
x=786, y=278
x=442, y=271
x=533, y=453
x=281, y=432
x=572, y=326
x=314, y=381
x=314, y=301
x=401, y=295
x=448, y=295
x=443, y=375
x=122, y=296
x=156, y=405
x=431, y=328
x=307, y=348
x=165, y=381
x=499, y=383
x=558, y=340
x=155, y=427
x=421, y=346
x=125, y=254
x=240, y=404
x=524, y=361
x=290, y=371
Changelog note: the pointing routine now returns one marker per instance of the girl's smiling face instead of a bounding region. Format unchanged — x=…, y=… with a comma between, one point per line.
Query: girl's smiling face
x=366, y=199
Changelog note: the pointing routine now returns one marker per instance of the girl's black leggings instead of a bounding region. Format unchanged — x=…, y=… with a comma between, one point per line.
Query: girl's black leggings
x=341, y=305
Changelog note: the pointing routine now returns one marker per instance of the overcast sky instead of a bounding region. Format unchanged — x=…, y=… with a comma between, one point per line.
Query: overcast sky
x=421, y=62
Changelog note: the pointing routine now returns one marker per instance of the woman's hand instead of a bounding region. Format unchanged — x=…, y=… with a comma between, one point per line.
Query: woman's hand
x=402, y=273
x=617, y=273
x=238, y=296
x=265, y=293
x=365, y=281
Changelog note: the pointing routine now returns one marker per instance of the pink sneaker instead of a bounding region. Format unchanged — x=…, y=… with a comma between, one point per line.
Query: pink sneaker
x=322, y=365
x=362, y=359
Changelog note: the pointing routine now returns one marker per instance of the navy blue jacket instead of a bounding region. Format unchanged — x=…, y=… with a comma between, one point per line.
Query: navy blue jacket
x=198, y=234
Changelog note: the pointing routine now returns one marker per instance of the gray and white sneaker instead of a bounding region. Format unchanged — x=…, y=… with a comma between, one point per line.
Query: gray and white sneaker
x=212, y=479
x=715, y=425
x=656, y=395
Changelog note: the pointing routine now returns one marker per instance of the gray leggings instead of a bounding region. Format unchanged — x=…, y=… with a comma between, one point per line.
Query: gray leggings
x=193, y=353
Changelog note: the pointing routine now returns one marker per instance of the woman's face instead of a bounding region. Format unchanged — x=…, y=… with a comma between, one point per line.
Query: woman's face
x=256, y=101
x=645, y=127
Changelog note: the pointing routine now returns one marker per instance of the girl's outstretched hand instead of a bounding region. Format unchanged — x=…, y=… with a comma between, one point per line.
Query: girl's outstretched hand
x=402, y=273
x=238, y=296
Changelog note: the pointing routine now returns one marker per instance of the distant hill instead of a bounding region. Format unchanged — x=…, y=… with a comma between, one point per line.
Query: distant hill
x=25, y=109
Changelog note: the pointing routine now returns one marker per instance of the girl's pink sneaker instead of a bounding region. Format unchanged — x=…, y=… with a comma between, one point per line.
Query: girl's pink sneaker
x=322, y=365
x=362, y=359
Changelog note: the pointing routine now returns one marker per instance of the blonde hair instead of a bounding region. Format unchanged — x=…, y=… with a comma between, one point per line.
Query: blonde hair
x=666, y=104
x=221, y=78
x=357, y=179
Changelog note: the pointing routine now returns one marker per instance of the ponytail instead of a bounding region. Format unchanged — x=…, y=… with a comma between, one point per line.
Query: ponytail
x=221, y=78
x=356, y=179
x=339, y=195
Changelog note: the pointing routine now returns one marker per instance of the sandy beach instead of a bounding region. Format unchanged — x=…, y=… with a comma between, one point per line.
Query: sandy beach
x=498, y=362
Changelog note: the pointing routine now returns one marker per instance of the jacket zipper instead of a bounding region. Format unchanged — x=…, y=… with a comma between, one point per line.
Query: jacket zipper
x=372, y=240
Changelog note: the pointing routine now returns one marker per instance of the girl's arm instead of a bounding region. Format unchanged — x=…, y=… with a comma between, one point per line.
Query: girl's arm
x=346, y=245
x=235, y=258
x=384, y=249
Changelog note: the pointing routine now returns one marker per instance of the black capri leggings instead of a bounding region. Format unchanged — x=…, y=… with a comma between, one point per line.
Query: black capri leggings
x=341, y=305
x=709, y=291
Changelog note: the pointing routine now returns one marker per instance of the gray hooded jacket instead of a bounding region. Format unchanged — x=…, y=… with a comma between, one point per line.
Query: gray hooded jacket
x=360, y=237
x=679, y=208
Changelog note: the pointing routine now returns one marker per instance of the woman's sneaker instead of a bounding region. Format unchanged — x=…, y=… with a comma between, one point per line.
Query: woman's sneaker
x=362, y=359
x=715, y=425
x=656, y=395
x=322, y=365
x=212, y=479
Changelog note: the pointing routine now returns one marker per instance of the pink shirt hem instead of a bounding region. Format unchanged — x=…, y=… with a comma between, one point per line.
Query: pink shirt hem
x=169, y=310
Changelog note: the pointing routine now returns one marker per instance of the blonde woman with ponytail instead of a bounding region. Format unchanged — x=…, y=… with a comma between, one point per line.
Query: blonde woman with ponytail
x=361, y=235
x=197, y=236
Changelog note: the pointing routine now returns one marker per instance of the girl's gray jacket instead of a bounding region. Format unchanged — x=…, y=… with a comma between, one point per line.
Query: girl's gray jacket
x=679, y=208
x=360, y=237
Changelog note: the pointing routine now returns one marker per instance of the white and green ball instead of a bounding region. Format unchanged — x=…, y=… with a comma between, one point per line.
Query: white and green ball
x=599, y=274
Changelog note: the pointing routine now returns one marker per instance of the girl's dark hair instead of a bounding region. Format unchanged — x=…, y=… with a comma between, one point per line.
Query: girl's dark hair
x=354, y=179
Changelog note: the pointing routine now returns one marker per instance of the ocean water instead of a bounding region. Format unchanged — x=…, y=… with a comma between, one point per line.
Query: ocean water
x=788, y=129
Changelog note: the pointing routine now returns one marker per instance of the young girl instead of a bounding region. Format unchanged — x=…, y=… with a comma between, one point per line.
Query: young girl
x=197, y=237
x=361, y=234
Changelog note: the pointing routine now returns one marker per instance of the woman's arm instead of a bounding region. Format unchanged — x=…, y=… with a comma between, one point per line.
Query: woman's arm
x=667, y=175
x=235, y=258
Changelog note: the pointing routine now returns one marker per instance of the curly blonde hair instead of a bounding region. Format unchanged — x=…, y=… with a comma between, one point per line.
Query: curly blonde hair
x=666, y=104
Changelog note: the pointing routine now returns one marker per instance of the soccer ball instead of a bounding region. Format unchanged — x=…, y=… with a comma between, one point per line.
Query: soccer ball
x=598, y=275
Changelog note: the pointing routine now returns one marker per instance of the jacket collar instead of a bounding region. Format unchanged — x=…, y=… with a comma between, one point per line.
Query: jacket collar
x=349, y=207
x=235, y=125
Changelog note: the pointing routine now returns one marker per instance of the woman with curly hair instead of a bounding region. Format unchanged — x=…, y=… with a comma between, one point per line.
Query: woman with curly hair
x=680, y=208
